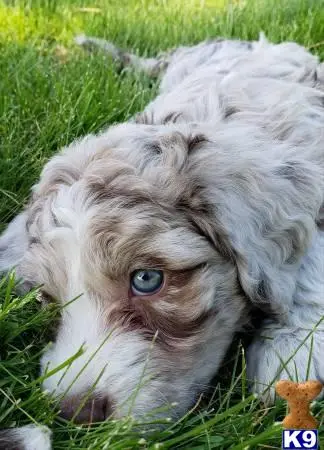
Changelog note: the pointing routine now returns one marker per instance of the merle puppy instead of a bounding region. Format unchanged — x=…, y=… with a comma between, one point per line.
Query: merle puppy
x=169, y=229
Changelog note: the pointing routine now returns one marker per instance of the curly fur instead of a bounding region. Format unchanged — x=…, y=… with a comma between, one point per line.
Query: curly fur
x=220, y=183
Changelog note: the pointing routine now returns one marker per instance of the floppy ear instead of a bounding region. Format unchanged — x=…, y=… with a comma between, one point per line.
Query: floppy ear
x=262, y=213
x=13, y=243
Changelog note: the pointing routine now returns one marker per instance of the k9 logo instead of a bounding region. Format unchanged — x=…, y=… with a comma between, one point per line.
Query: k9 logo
x=300, y=439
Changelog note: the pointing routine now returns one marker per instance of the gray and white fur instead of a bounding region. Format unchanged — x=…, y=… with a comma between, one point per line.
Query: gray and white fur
x=219, y=182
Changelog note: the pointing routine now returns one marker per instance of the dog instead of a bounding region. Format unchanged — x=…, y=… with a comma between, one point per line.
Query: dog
x=162, y=235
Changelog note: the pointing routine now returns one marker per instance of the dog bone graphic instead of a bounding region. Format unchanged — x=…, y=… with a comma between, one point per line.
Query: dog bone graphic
x=299, y=397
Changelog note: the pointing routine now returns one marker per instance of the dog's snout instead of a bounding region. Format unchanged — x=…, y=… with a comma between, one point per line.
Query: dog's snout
x=81, y=410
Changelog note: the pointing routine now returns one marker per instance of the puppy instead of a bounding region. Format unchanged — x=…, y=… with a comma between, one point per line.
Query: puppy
x=161, y=235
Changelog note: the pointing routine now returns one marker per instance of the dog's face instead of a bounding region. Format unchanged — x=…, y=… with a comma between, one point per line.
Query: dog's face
x=152, y=237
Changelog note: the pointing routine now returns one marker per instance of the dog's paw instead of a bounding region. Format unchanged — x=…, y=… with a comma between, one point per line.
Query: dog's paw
x=81, y=39
x=283, y=353
x=29, y=437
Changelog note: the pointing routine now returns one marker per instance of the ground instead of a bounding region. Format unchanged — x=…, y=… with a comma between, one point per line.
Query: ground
x=50, y=93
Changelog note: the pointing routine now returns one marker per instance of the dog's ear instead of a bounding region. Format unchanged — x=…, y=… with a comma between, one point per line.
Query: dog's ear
x=13, y=243
x=261, y=212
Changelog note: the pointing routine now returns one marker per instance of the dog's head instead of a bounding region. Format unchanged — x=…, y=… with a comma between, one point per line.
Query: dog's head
x=157, y=240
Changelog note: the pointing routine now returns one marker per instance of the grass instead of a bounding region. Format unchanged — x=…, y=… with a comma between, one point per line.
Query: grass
x=50, y=93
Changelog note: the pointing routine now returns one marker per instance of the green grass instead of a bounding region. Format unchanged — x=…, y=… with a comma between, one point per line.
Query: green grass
x=47, y=100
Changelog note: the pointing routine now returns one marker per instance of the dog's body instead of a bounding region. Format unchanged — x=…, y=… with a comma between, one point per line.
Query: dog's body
x=219, y=185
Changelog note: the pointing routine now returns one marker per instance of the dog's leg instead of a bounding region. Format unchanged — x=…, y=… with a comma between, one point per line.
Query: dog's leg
x=292, y=347
x=29, y=437
x=293, y=353
x=151, y=66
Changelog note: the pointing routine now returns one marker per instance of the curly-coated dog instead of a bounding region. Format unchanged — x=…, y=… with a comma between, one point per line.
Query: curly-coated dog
x=171, y=229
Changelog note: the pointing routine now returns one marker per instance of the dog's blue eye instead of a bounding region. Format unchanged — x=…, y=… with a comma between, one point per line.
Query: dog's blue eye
x=146, y=281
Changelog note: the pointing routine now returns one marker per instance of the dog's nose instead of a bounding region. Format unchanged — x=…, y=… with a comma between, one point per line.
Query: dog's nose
x=81, y=410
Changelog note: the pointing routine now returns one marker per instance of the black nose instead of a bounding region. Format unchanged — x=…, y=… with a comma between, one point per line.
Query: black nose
x=85, y=410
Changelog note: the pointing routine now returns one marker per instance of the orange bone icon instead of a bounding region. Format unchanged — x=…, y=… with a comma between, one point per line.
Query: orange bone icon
x=299, y=396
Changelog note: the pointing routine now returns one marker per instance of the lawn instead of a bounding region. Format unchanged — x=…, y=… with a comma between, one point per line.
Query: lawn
x=52, y=92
